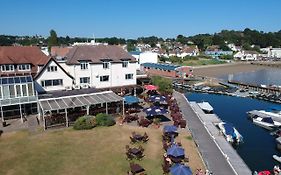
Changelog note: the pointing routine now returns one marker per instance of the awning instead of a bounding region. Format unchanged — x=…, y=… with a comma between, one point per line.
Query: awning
x=78, y=100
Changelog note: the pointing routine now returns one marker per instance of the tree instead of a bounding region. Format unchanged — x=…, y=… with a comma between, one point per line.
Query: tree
x=130, y=47
x=53, y=39
x=164, y=84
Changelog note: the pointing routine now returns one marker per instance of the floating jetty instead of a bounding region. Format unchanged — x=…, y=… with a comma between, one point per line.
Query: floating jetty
x=259, y=88
x=218, y=154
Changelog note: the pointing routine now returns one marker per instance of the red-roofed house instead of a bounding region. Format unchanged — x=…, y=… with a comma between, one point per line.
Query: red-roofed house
x=18, y=60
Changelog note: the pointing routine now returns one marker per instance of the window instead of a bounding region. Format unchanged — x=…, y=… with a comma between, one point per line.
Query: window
x=128, y=76
x=18, y=91
x=52, y=68
x=56, y=82
x=125, y=64
x=105, y=65
x=30, y=89
x=6, y=93
x=84, y=65
x=7, y=68
x=85, y=80
x=12, y=91
x=104, y=78
x=24, y=67
x=0, y=92
x=24, y=90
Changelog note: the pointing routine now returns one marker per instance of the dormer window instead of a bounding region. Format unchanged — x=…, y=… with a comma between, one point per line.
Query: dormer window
x=84, y=65
x=125, y=63
x=7, y=68
x=24, y=67
x=105, y=65
x=52, y=69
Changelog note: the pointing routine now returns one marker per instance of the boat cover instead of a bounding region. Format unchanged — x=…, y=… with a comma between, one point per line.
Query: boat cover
x=268, y=120
x=229, y=130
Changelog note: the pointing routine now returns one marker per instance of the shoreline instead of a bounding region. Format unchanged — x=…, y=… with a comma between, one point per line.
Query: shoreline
x=215, y=71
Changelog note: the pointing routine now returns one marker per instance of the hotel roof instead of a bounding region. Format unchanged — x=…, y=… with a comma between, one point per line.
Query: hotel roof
x=160, y=66
x=22, y=55
x=96, y=54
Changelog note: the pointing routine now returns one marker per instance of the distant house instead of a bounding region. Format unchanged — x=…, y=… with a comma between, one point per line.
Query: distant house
x=167, y=70
x=189, y=51
x=215, y=51
x=246, y=55
x=274, y=52
x=144, y=57
x=234, y=48
x=101, y=66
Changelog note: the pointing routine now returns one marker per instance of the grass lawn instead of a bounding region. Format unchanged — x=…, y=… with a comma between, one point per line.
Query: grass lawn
x=201, y=62
x=100, y=151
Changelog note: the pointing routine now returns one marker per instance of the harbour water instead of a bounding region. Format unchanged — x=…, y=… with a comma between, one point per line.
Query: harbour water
x=270, y=76
x=259, y=145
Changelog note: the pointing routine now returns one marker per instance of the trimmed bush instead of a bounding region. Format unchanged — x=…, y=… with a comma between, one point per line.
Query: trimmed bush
x=84, y=122
x=104, y=120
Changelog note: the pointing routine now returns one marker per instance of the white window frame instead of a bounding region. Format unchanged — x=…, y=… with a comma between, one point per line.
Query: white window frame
x=84, y=65
x=101, y=78
x=10, y=66
x=129, y=76
x=82, y=80
x=125, y=64
x=24, y=67
x=1, y=95
x=43, y=83
x=105, y=65
x=52, y=68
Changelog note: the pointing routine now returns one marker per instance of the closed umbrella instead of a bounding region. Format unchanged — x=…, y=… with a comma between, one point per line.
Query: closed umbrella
x=180, y=169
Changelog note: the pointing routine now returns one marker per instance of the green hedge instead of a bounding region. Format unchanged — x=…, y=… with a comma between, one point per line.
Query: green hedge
x=104, y=120
x=84, y=122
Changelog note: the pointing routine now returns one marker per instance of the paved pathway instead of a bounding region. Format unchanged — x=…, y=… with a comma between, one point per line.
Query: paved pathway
x=213, y=158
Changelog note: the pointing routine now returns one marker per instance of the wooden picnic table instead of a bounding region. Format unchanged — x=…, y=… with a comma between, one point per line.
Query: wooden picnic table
x=136, y=168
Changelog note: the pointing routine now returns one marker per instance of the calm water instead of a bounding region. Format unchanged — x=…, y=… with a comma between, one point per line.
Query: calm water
x=265, y=76
x=259, y=145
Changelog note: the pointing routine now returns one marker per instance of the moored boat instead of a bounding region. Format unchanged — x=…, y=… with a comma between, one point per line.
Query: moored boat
x=274, y=112
x=266, y=123
x=278, y=141
x=230, y=132
x=277, y=158
x=206, y=107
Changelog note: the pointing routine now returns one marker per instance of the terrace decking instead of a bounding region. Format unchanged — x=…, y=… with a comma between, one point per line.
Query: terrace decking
x=218, y=154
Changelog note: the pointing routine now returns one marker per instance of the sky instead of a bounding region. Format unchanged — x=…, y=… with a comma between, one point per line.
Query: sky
x=136, y=18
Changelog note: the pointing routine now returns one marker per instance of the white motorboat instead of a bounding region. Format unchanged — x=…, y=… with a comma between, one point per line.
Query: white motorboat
x=274, y=112
x=230, y=132
x=206, y=107
x=266, y=122
x=278, y=142
x=277, y=158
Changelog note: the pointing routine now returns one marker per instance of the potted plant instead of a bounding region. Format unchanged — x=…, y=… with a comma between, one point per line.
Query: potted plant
x=156, y=122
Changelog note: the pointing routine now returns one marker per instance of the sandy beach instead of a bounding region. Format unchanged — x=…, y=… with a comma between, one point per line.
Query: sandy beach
x=224, y=69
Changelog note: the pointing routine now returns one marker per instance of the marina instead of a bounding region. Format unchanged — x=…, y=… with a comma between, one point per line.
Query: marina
x=219, y=156
x=255, y=138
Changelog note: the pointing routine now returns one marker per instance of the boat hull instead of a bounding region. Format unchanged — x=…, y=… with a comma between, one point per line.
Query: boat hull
x=263, y=125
